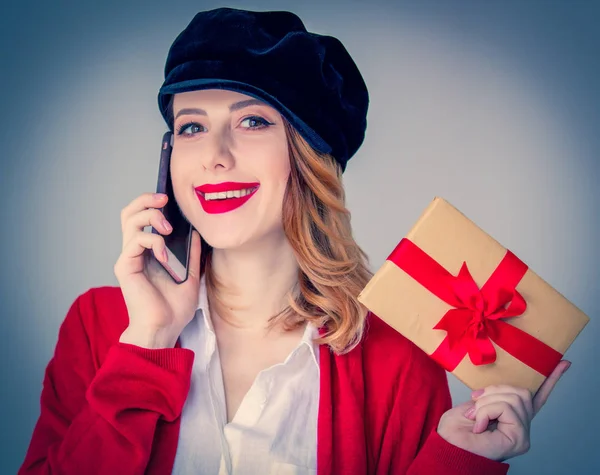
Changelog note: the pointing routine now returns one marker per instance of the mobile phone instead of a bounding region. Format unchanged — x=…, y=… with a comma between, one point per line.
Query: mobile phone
x=178, y=242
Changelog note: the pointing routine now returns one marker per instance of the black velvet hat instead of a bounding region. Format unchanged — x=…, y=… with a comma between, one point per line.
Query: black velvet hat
x=309, y=78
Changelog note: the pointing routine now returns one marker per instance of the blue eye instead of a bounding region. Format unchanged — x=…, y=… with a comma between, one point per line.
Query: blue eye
x=254, y=118
x=187, y=125
x=190, y=129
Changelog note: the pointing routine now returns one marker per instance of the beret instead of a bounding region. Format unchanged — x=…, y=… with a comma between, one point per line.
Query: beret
x=310, y=79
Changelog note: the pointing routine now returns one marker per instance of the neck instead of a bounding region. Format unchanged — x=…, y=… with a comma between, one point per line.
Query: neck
x=255, y=282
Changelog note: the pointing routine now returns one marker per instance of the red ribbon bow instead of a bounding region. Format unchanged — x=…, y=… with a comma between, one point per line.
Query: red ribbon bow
x=475, y=321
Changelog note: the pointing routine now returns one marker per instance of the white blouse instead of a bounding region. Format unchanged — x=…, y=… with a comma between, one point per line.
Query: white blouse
x=275, y=428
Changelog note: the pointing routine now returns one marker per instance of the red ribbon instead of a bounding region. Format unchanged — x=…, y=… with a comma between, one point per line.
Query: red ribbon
x=475, y=321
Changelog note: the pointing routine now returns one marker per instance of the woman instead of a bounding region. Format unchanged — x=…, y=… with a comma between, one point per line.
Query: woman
x=262, y=361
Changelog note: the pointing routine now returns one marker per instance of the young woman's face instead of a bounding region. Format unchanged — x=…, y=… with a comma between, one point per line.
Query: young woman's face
x=229, y=166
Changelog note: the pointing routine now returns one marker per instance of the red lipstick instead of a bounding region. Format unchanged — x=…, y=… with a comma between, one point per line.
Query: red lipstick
x=222, y=204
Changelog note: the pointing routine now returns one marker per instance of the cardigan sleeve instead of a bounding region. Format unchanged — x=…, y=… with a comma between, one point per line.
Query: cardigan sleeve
x=429, y=386
x=102, y=420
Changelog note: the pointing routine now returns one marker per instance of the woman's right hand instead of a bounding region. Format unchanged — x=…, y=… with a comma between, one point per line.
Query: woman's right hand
x=158, y=308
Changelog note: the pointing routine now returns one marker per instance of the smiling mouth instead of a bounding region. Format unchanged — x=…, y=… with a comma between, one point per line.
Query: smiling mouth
x=224, y=195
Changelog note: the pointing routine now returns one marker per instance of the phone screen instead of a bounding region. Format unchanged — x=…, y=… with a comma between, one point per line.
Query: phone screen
x=179, y=240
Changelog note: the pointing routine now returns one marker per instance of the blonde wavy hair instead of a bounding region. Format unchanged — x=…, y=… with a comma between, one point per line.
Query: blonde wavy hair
x=333, y=269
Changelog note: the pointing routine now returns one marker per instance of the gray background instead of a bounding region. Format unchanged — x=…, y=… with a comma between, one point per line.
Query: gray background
x=493, y=105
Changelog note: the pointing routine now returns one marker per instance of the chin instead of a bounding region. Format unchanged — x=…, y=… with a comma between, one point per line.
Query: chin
x=222, y=241
x=242, y=239
x=226, y=237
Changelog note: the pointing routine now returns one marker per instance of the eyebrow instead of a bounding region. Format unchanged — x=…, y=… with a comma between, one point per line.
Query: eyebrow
x=233, y=107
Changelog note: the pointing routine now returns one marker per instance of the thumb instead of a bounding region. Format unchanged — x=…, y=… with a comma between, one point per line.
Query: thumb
x=195, y=254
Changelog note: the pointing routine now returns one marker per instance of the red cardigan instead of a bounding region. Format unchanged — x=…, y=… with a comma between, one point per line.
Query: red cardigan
x=113, y=408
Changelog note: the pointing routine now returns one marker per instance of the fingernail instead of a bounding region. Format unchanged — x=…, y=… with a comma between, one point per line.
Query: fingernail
x=166, y=225
x=567, y=367
x=477, y=427
x=165, y=255
x=476, y=394
x=470, y=412
x=158, y=196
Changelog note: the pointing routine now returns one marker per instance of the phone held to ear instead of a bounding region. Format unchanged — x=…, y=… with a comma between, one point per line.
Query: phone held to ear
x=178, y=242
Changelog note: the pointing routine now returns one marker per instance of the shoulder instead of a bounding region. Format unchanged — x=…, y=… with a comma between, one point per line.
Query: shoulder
x=100, y=301
x=390, y=357
x=391, y=378
x=96, y=318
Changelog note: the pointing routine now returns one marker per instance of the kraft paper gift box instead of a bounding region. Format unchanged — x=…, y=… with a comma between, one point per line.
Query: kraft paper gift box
x=471, y=304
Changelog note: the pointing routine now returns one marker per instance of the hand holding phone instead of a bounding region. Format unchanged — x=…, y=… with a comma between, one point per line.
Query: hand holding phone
x=158, y=306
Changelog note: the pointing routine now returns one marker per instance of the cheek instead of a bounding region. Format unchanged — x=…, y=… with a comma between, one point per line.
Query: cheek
x=277, y=183
x=179, y=163
x=277, y=166
x=180, y=173
x=176, y=175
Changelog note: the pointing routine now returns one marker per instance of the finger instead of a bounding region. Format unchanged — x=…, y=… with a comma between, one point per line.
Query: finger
x=523, y=408
x=142, y=202
x=548, y=385
x=500, y=411
x=147, y=217
x=465, y=406
x=524, y=393
x=509, y=425
x=131, y=259
x=195, y=255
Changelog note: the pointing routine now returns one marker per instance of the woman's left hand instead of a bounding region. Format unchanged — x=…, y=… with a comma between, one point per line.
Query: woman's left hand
x=495, y=424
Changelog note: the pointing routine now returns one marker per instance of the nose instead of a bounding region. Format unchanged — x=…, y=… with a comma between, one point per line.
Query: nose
x=216, y=154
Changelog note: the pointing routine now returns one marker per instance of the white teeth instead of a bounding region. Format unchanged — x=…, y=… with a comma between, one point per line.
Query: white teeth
x=228, y=194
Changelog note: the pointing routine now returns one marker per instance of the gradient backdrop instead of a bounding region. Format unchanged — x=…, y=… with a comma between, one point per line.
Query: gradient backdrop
x=493, y=105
